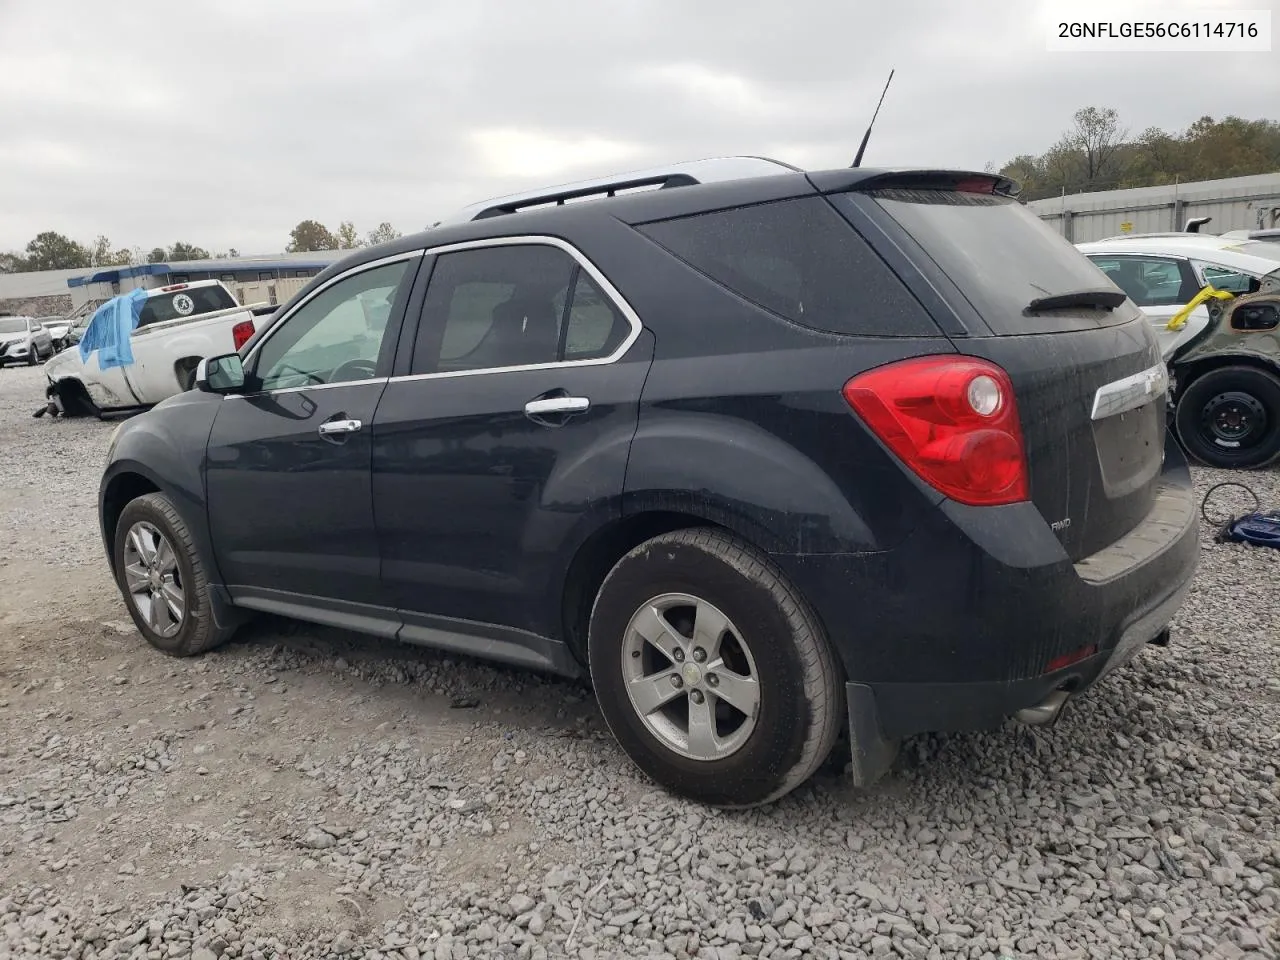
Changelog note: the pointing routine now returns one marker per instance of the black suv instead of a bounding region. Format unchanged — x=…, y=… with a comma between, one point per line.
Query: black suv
x=769, y=459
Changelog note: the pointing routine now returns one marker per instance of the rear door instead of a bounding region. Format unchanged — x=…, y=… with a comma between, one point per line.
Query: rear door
x=1089, y=379
x=505, y=440
x=1161, y=286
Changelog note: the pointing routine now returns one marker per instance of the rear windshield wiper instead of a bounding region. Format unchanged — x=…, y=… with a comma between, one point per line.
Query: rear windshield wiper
x=1106, y=299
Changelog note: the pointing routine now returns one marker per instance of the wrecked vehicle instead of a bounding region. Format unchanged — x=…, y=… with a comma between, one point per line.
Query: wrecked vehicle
x=1220, y=340
x=155, y=339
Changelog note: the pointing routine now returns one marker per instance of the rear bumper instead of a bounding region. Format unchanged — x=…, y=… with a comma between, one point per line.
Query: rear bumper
x=907, y=708
x=958, y=627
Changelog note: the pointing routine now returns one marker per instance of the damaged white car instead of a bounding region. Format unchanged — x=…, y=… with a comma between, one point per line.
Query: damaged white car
x=173, y=329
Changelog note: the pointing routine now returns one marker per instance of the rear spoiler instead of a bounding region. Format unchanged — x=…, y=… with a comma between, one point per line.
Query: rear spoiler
x=965, y=181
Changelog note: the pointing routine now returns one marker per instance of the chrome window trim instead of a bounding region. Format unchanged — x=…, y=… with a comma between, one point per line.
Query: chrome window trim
x=1130, y=393
x=309, y=388
x=345, y=275
x=607, y=288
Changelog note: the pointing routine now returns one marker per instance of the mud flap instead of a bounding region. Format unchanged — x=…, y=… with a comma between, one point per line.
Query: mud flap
x=871, y=754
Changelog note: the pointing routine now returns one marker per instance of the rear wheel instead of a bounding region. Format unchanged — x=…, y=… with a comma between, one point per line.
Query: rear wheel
x=712, y=673
x=162, y=579
x=1230, y=417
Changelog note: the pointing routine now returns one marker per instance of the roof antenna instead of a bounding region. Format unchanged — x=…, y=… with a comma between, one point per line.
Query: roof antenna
x=862, y=148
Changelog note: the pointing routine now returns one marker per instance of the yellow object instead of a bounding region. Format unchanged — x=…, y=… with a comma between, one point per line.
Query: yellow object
x=1126, y=227
x=1179, y=319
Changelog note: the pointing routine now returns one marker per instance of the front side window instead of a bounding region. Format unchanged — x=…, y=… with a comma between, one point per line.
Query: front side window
x=336, y=336
x=1232, y=281
x=513, y=306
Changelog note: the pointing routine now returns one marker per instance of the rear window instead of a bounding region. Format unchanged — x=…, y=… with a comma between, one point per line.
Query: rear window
x=800, y=260
x=999, y=254
x=184, y=303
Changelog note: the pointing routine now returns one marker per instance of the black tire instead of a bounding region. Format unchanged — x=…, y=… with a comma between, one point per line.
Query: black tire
x=1230, y=418
x=800, y=707
x=197, y=632
x=33, y=358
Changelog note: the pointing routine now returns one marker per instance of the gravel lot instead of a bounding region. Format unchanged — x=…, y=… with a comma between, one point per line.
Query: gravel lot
x=306, y=793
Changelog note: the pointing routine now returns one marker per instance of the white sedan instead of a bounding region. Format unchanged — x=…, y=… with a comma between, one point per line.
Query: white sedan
x=1161, y=274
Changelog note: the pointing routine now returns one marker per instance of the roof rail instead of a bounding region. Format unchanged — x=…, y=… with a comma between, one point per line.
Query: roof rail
x=676, y=175
x=1141, y=236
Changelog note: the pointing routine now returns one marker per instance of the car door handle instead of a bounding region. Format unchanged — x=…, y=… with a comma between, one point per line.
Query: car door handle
x=540, y=408
x=338, y=427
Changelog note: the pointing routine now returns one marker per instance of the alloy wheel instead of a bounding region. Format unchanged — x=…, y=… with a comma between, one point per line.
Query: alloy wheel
x=690, y=677
x=154, y=580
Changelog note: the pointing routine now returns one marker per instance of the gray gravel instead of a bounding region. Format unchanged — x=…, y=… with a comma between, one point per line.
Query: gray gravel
x=304, y=793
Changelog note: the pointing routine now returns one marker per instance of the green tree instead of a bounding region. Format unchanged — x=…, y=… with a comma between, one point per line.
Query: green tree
x=52, y=251
x=348, y=239
x=383, y=233
x=101, y=254
x=12, y=263
x=187, y=251
x=157, y=255
x=311, y=235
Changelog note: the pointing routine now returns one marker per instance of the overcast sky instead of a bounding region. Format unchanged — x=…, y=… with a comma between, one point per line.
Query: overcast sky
x=225, y=123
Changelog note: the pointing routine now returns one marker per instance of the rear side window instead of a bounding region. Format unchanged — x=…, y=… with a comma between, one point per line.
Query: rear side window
x=1150, y=281
x=513, y=306
x=184, y=303
x=800, y=260
x=1000, y=255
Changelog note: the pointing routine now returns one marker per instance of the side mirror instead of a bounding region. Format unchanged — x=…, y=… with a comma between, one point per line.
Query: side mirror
x=224, y=374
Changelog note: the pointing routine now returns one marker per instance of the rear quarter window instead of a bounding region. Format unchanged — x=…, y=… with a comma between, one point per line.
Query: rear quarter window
x=801, y=260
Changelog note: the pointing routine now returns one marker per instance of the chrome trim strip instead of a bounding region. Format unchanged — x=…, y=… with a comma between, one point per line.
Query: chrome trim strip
x=601, y=280
x=1130, y=393
x=308, y=387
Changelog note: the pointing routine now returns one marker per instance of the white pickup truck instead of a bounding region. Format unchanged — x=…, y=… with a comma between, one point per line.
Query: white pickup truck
x=177, y=326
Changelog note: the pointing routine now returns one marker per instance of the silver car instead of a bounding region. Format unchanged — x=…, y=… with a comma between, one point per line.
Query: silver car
x=24, y=340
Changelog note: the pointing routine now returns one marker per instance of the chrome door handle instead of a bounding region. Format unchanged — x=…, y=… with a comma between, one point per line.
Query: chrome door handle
x=337, y=427
x=540, y=408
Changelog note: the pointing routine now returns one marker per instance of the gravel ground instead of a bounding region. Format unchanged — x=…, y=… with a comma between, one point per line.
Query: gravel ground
x=306, y=793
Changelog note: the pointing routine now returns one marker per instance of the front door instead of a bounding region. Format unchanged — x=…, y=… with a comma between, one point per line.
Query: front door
x=290, y=505
x=508, y=438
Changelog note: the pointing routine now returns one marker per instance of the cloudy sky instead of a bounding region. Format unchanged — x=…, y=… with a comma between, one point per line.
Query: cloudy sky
x=225, y=123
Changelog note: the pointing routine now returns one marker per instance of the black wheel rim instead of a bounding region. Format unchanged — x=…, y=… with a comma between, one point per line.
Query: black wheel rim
x=1233, y=420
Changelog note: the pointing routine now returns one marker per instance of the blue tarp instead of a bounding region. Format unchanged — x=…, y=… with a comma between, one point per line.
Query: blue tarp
x=109, y=330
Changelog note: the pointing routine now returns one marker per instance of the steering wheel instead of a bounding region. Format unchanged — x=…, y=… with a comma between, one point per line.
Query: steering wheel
x=365, y=370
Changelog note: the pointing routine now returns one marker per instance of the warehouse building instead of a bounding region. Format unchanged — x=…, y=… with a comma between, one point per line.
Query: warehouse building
x=1236, y=203
x=271, y=279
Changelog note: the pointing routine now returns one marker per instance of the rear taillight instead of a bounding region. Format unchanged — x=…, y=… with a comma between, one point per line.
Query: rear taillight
x=241, y=333
x=952, y=420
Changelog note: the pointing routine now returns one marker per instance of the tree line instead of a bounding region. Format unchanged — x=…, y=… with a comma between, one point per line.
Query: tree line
x=1098, y=152
x=50, y=250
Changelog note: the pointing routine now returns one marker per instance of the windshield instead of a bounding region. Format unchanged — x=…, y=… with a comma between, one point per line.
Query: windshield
x=999, y=254
x=184, y=303
x=13, y=325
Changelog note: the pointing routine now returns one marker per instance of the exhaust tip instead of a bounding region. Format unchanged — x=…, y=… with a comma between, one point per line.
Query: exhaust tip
x=1046, y=712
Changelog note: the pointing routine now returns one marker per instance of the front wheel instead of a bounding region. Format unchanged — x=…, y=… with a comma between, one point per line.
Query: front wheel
x=1230, y=417
x=711, y=672
x=162, y=579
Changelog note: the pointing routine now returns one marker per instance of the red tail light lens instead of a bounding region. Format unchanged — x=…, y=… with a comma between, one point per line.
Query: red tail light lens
x=241, y=333
x=952, y=420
